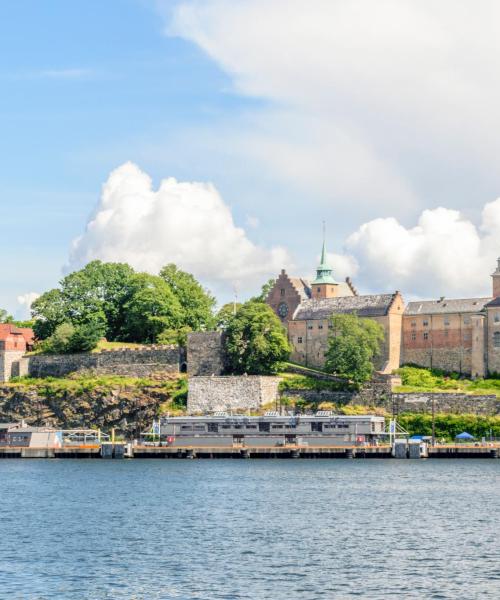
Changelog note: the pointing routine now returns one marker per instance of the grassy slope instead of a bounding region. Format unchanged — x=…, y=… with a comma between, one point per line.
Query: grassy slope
x=415, y=379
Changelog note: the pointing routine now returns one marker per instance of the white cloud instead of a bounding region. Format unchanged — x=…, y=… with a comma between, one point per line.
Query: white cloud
x=443, y=254
x=374, y=108
x=186, y=223
x=26, y=300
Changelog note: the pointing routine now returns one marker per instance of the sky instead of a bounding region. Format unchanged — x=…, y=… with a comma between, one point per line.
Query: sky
x=219, y=134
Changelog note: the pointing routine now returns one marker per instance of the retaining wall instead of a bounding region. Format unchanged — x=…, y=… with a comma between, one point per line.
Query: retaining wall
x=139, y=362
x=247, y=392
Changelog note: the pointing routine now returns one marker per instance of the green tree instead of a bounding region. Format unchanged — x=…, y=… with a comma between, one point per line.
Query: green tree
x=58, y=342
x=150, y=309
x=256, y=341
x=352, y=346
x=264, y=292
x=197, y=303
x=86, y=336
x=49, y=311
x=225, y=314
x=176, y=337
x=5, y=317
x=97, y=293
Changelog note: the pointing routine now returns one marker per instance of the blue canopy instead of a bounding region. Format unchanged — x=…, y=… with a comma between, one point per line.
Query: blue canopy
x=464, y=436
x=417, y=437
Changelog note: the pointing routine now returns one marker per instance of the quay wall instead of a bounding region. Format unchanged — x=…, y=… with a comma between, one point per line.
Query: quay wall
x=247, y=392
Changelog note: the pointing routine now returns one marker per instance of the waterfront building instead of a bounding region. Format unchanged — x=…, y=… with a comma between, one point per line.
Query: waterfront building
x=272, y=429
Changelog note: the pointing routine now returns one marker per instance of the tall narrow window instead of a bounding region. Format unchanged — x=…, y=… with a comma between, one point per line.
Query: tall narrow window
x=496, y=339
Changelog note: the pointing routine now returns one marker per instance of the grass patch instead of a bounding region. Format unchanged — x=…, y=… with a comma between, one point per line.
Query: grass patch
x=105, y=345
x=292, y=381
x=81, y=384
x=415, y=379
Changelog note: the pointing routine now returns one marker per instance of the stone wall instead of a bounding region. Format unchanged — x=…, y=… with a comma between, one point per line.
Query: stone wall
x=139, y=362
x=374, y=394
x=443, y=403
x=247, y=392
x=377, y=396
x=9, y=364
x=205, y=353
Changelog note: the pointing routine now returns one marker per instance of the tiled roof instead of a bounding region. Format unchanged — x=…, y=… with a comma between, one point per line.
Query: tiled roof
x=374, y=305
x=446, y=305
x=8, y=329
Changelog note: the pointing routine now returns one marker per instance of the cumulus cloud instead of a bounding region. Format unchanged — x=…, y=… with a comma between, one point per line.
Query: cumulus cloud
x=186, y=223
x=376, y=108
x=26, y=300
x=443, y=254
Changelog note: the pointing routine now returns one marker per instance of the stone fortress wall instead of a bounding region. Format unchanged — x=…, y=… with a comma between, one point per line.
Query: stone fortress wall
x=210, y=394
x=140, y=362
x=205, y=353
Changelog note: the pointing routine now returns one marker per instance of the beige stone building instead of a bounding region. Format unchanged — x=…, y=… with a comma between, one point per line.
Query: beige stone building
x=461, y=335
x=305, y=308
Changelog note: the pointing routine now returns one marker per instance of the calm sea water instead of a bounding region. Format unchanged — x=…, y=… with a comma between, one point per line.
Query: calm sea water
x=270, y=529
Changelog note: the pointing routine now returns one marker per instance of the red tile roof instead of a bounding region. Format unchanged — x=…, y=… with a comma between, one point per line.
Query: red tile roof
x=8, y=330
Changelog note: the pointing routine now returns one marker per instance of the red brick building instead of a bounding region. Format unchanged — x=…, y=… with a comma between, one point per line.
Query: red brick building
x=12, y=338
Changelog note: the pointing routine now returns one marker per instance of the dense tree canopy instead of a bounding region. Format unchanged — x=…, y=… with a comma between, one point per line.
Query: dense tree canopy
x=150, y=309
x=111, y=300
x=98, y=292
x=197, y=303
x=256, y=341
x=225, y=314
x=352, y=346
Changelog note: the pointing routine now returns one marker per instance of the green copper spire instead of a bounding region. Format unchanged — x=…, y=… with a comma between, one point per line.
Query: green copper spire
x=324, y=270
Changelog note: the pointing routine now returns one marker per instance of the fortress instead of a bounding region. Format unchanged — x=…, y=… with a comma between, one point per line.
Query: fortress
x=461, y=335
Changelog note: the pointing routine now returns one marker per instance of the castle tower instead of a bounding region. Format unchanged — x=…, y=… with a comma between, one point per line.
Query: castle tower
x=325, y=286
x=496, y=280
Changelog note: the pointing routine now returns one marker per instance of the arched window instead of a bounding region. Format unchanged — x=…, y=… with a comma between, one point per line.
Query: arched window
x=496, y=339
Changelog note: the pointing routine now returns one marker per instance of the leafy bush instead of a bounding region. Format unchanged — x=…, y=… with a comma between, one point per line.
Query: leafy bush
x=67, y=338
x=447, y=426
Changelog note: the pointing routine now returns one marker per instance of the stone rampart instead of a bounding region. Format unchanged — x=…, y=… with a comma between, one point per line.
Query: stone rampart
x=487, y=405
x=376, y=396
x=373, y=394
x=247, y=392
x=139, y=362
x=205, y=353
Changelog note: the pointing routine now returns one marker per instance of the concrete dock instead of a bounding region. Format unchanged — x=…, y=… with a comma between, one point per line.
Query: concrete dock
x=120, y=450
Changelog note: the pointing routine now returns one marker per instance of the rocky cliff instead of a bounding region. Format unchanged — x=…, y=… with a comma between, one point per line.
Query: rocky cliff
x=125, y=404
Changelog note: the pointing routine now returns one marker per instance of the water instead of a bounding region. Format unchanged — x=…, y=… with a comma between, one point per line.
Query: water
x=270, y=529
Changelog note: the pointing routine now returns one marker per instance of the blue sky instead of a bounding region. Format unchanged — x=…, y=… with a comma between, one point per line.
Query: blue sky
x=278, y=107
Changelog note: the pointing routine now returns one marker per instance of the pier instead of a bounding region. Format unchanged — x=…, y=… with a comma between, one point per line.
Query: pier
x=123, y=450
